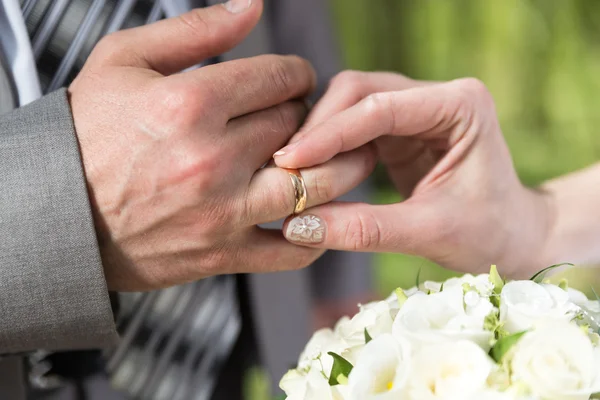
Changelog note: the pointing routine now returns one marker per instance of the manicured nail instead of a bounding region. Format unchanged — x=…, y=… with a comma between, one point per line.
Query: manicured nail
x=286, y=149
x=306, y=229
x=237, y=6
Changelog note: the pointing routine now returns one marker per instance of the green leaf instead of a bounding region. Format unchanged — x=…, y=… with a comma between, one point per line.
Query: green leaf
x=368, y=337
x=504, y=344
x=496, y=279
x=418, y=282
x=539, y=277
x=341, y=366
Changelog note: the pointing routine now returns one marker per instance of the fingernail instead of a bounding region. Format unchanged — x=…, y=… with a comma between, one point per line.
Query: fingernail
x=306, y=229
x=237, y=6
x=287, y=149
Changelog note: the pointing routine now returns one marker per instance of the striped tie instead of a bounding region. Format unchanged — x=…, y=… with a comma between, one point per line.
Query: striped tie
x=174, y=341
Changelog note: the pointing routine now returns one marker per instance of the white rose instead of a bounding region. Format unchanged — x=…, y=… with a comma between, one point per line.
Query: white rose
x=315, y=354
x=381, y=371
x=375, y=317
x=579, y=298
x=311, y=385
x=576, y=296
x=426, y=319
x=394, y=302
x=590, y=308
x=522, y=303
x=432, y=286
x=452, y=371
x=480, y=283
x=556, y=361
x=488, y=394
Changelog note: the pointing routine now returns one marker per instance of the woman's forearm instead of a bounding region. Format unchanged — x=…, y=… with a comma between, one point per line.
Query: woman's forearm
x=575, y=230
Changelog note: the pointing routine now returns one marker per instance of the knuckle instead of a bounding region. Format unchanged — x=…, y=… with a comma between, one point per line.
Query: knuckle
x=278, y=198
x=323, y=188
x=181, y=103
x=288, y=117
x=195, y=21
x=472, y=85
x=349, y=82
x=376, y=103
x=283, y=200
x=348, y=78
x=281, y=76
x=362, y=233
x=380, y=107
x=109, y=47
x=475, y=91
x=475, y=107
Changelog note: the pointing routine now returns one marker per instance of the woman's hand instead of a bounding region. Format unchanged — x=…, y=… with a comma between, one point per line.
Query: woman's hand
x=442, y=145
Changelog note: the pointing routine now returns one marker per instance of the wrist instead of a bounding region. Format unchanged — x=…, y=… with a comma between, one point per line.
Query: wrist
x=547, y=254
x=533, y=228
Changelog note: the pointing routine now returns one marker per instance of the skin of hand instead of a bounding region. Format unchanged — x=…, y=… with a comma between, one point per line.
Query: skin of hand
x=173, y=160
x=443, y=148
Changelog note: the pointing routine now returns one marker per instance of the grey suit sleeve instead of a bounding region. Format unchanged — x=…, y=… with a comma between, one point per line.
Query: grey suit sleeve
x=305, y=28
x=53, y=293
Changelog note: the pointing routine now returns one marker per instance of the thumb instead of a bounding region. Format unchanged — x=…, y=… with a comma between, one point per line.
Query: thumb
x=174, y=44
x=407, y=227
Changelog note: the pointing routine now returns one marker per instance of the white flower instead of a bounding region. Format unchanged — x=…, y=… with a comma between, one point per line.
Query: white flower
x=393, y=298
x=452, y=371
x=439, y=317
x=433, y=287
x=375, y=317
x=311, y=385
x=480, y=283
x=394, y=302
x=488, y=394
x=522, y=303
x=579, y=298
x=556, y=361
x=576, y=296
x=315, y=354
x=381, y=371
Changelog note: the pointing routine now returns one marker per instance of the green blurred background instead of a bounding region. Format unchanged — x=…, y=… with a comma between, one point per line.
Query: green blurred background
x=539, y=58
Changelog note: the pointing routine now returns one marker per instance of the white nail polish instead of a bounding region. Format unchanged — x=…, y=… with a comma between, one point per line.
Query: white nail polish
x=237, y=6
x=306, y=229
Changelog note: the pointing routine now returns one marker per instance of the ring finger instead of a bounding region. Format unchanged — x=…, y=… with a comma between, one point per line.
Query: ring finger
x=271, y=194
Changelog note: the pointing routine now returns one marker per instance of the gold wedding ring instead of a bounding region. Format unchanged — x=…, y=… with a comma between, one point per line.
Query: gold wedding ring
x=300, y=195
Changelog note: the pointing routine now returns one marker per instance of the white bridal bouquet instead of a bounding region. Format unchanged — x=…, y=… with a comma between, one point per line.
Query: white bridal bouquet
x=469, y=338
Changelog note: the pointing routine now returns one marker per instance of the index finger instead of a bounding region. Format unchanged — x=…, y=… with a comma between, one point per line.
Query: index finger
x=350, y=87
x=418, y=111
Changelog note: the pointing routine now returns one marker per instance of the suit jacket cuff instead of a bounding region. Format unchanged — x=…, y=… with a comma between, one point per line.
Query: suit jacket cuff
x=53, y=292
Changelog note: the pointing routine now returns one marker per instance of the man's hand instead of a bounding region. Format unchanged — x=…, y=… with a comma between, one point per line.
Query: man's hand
x=444, y=151
x=173, y=160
